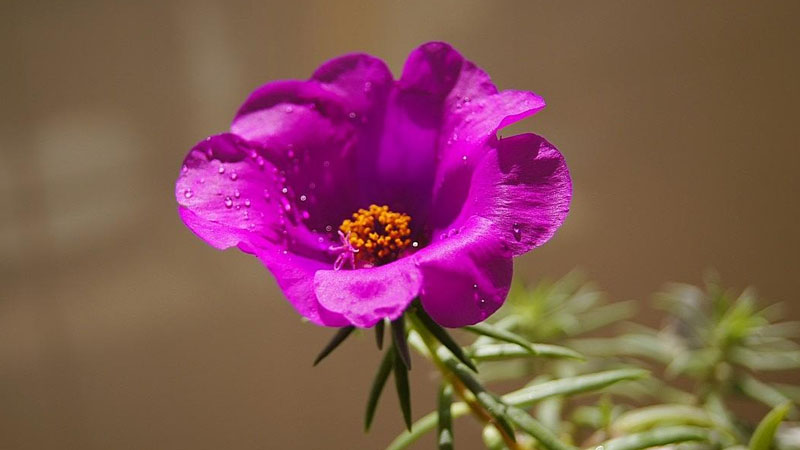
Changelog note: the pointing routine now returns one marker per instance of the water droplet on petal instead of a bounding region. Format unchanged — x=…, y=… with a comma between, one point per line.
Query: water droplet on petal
x=285, y=190
x=188, y=193
x=415, y=244
x=286, y=205
x=305, y=215
x=221, y=169
x=185, y=168
x=303, y=198
x=328, y=228
x=228, y=202
x=234, y=176
x=352, y=115
x=289, y=109
x=247, y=202
x=236, y=193
x=517, y=231
x=464, y=158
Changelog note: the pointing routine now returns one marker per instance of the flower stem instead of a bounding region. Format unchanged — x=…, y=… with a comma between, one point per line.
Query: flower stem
x=428, y=346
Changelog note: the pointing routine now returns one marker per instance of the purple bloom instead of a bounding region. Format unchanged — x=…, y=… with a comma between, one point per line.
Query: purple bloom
x=361, y=193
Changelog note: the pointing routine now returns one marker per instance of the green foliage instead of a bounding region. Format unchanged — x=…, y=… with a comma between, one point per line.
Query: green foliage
x=595, y=380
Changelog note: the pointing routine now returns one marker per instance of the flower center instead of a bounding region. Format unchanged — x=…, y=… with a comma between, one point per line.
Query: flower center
x=377, y=235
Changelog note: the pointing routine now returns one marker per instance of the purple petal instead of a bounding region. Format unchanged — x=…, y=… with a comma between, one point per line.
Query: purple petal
x=466, y=276
x=323, y=133
x=523, y=186
x=366, y=296
x=223, y=193
x=469, y=133
x=295, y=276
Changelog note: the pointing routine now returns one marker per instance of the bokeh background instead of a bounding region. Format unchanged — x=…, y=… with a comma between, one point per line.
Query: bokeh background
x=121, y=330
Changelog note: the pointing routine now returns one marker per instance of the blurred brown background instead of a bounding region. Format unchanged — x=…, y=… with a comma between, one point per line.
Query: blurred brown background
x=121, y=330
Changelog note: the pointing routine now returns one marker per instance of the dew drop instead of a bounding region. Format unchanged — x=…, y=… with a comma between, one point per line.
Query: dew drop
x=236, y=193
x=367, y=86
x=228, y=202
x=286, y=205
x=352, y=115
x=260, y=161
x=464, y=158
x=188, y=193
x=285, y=190
x=246, y=215
x=305, y=215
x=290, y=153
x=185, y=168
x=234, y=176
x=328, y=228
x=415, y=244
x=517, y=231
x=266, y=195
x=247, y=202
x=221, y=169
x=289, y=109
x=326, y=164
x=303, y=198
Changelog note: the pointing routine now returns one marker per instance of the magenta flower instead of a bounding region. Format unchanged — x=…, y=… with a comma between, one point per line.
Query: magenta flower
x=361, y=193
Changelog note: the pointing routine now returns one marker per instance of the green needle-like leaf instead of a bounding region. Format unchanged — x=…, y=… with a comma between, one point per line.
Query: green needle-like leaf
x=492, y=438
x=379, y=333
x=424, y=425
x=533, y=427
x=500, y=334
x=337, y=339
x=760, y=391
x=525, y=398
x=403, y=390
x=765, y=432
x=661, y=415
x=529, y=395
x=445, y=433
x=656, y=438
x=377, y=386
x=493, y=405
x=499, y=352
x=400, y=342
x=442, y=336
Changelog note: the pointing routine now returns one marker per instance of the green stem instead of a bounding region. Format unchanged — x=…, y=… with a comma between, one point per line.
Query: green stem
x=434, y=350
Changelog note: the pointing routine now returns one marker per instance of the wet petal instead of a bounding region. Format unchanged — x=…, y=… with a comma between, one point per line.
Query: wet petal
x=224, y=194
x=469, y=133
x=523, y=186
x=366, y=296
x=466, y=275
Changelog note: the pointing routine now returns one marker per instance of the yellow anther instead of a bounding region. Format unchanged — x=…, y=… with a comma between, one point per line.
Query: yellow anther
x=379, y=234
